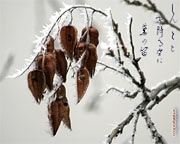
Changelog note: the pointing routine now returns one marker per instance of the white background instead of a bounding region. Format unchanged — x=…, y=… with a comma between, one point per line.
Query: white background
x=22, y=121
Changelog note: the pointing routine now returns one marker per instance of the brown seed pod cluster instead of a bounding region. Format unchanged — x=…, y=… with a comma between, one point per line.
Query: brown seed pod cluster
x=54, y=62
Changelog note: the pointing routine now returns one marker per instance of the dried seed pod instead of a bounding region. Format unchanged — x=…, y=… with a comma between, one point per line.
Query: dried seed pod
x=68, y=38
x=92, y=59
x=82, y=82
x=61, y=64
x=93, y=35
x=63, y=105
x=61, y=92
x=37, y=84
x=48, y=65
x=54, y=116
x=79, y=49
x=50, y=44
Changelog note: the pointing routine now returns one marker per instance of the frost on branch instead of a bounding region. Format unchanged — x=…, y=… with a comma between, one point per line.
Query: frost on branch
x=151, y=96
x=50, y=64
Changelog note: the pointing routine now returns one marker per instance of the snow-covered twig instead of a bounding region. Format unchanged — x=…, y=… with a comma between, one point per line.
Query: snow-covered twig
x=164, y=85
x=124, y=93
x=152, y=7
x=135, y=127
x=158, y=99
x=155, y=135
x=119, y=129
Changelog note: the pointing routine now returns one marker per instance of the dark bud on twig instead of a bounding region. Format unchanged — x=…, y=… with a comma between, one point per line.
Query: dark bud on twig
x=93, y=35
x=47, y=64
x=61, y=64
x=82, y=82
x=50, y=44
x=68, y=38
x=37, y=84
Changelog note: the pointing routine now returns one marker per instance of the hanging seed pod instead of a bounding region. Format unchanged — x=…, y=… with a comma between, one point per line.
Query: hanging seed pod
x=54, y=116
x=68, y=38
x=63, y=106
x=61, y=92
x=93, y=35
x=50, y=44
x=92, y=59
x=48, y=65
x=82, y=82
x=61, y=64
x=37, y=84
x=79, y=49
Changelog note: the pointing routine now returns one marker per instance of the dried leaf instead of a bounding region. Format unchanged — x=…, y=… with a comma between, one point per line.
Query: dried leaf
x=68, y=38
x=50, y=44
x=82, y=82
x=48, y=65
x=93, y=35
x=92, y=59
x=54, y=116
x=37, y=84
x=61, y=64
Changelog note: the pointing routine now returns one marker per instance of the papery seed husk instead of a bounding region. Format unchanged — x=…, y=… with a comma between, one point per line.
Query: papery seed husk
x=61, y=64
x=68, y=38
x=54, y=116
x=63, y=105
x=82, y=82
x=79, y=50
x=47, y=64
x=37, y=84
x=92, y=59
x=93, y=35
x=50, y=44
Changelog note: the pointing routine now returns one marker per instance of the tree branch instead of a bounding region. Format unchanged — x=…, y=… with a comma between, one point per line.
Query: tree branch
x=152, y=7
x=123, y=92
x=155, y=135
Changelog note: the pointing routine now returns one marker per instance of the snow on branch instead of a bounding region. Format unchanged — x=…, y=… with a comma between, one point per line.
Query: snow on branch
x=151, y=96
x=55, y=20
x=152, y=7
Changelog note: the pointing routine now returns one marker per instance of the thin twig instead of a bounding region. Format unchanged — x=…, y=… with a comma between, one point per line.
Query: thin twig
x=152, y=7
x=135, y=127
x=135, y=62
x=119, y=129
x=125, y=93
x=131, y=40
x=115, y=28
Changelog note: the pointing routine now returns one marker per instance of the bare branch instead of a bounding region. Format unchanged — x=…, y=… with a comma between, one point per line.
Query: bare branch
x=152, y=7
x=135, y=127
x=119, y=129
x=135, y=62
x=158, y=99
x=164, y=85
x=123, y=92
x=155, y=135
x=173, y=84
